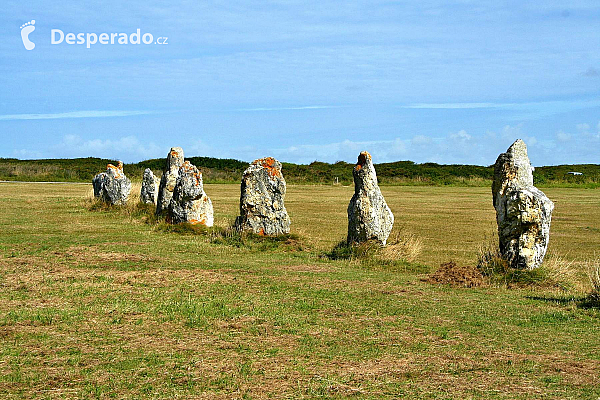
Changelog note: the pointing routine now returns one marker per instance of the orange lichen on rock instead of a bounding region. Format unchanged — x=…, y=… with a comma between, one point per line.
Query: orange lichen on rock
x=201, y=221
x=363, y=157
x=117, y=170
x=189, y=168
x=269, y=163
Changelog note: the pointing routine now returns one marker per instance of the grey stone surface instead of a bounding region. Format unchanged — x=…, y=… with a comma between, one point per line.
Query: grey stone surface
x=262, y=207
x=112, y=186
x=369, y=217
x=149, y=191
x=98, y=183
x=189, y=203
x=523, y=212
x=168, y=180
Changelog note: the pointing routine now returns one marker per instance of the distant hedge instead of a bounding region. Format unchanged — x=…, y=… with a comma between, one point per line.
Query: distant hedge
x=218, y=170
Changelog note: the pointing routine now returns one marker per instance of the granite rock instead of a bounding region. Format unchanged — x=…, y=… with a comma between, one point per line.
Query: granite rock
x=523, y=212
x=369, y=217
x=168, y=180
x=262, y=206
x=189, y=203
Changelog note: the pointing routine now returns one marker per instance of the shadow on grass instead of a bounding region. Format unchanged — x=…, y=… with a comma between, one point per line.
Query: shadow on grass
x=585, y=302
x=231, y=236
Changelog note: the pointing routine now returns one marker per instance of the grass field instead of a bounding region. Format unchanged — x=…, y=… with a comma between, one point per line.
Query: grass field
x=98, y=304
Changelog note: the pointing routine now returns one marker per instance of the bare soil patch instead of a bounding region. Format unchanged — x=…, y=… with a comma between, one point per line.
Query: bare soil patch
x=457, y=276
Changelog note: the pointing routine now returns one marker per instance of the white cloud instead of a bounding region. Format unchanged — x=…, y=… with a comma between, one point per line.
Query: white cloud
x=127, y=148
x=461, y=135
x=512, y=132
x=25, y=154
x=562, y=136
x=421, y=140
x=74, y=114
x=454, y=105
x=583, y=127
x=288, y=108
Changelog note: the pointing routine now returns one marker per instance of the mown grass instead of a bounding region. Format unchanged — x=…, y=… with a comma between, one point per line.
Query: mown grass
x=107, y=304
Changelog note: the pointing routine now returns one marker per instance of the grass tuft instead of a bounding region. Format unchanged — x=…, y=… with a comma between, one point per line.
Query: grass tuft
x=402, y=248
x=555, y=272
x=233, y=237
x=402, y=245
x=593, y=271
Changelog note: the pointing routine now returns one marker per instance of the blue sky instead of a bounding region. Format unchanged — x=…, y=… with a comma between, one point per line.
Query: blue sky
x=441, y=81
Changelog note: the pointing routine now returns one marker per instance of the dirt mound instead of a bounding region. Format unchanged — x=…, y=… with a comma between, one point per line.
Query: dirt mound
x=458, y=276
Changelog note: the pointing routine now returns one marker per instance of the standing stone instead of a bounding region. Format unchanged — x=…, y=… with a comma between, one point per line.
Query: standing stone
x=523, y=212
x=262, y=208
x=98, y=183
x=369, y=216
x=189, y=203
x=112, y=186
x=149, y=190
x=168, y=180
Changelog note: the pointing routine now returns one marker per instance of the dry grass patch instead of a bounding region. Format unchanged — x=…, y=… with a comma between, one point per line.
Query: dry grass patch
x=593, y=271
x=402, y=245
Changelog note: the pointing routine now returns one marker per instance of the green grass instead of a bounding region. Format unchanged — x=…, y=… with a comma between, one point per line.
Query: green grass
x=105, y=303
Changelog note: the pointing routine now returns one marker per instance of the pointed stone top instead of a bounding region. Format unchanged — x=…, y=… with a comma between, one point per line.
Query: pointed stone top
x=188, y=167
x=512, y=169
x=518, y=149
x=364, y=172
x=175, y=158
x=364, y=158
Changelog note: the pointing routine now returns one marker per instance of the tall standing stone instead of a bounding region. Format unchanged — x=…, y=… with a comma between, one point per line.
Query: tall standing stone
x=523, y=212
x=169, y=178
x=112, y=186
x=189, y=203
x=149, y=191
x=369, y=217
x=262, y=208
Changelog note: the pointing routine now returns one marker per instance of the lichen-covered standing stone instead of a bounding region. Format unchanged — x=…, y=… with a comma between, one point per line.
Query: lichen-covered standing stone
x=189, y=202
x=262, y=207
x=112, y=186
x=169, y=178
x=369, y=217
x=523, y=212
x=149, y=191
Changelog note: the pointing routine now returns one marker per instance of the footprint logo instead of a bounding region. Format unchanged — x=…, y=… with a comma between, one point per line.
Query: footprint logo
x=26, y=29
